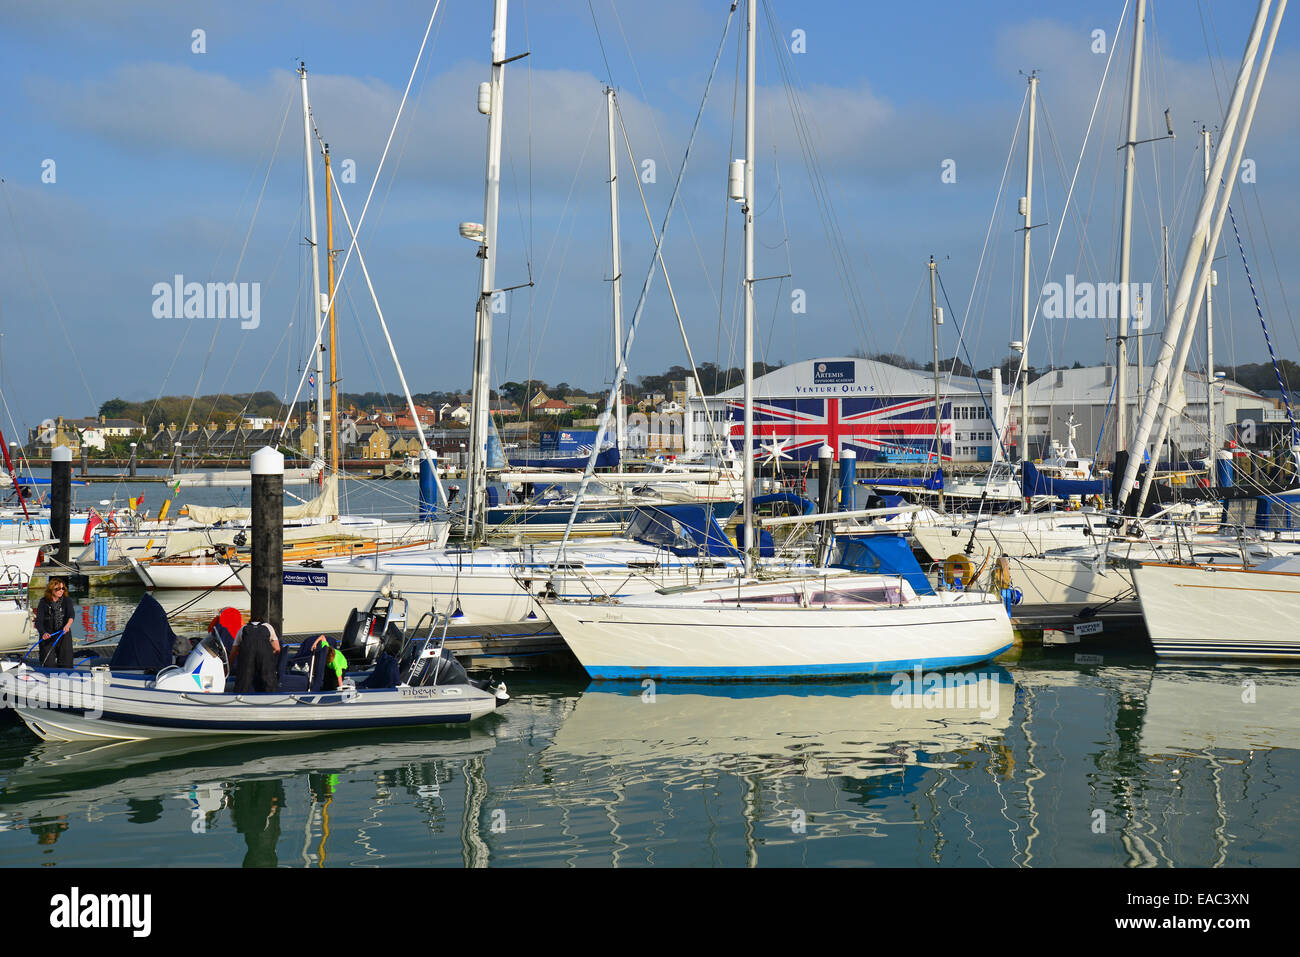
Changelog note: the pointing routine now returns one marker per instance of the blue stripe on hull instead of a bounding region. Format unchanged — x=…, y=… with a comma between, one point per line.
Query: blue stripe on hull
x=778, y=672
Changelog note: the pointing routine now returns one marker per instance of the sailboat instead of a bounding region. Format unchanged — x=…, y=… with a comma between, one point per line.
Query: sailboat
x=835, y=624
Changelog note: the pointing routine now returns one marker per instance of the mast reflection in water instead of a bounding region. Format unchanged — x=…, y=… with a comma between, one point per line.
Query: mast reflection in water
x=1041, y=763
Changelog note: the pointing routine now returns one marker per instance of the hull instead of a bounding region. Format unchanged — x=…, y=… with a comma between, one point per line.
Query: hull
x=197, y=576
x=1051, y=580
x=83, y=707
x=1014, y=536
x=486, y=591
x=1199, y=611
x=16, y=630
x=632, y=641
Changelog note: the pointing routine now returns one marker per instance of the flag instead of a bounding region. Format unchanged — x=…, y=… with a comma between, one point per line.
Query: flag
x=134, y=503
x=177, y=487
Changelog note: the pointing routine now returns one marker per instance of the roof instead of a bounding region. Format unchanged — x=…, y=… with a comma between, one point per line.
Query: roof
x=1090, y=386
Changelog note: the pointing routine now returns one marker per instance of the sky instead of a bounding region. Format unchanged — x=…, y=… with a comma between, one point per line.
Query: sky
x=135, y=149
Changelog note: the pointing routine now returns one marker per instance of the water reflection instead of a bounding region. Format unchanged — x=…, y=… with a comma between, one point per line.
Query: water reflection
x=1041, y=763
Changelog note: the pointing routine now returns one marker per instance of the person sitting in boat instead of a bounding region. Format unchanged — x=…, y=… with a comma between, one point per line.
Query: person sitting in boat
x=254, y=663
x=54, y=625
x=335, y=663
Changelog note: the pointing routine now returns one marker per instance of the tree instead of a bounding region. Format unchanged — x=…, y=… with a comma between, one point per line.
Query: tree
x=114, y=408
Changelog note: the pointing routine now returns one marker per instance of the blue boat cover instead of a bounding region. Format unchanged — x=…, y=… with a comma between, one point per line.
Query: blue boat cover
x=686, y=529
x=1034, y=482
x=882, y=555
x=147, y=641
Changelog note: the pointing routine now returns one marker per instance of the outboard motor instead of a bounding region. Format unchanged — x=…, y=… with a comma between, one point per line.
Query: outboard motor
x=367, y=632
x=204, y=670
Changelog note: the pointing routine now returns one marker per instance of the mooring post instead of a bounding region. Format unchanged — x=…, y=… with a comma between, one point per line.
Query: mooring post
x=825, y=477
x=268, y=538
x=132, y=463
x=61, y=500
x=848, y=476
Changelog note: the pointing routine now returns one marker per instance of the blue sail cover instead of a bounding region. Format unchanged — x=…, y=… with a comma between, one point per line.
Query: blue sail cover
x=686, y=529
x=881, y=555
x=147, y=642
x=1034, y=482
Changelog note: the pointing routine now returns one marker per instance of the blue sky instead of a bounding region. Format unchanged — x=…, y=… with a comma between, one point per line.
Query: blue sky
x=160, y=155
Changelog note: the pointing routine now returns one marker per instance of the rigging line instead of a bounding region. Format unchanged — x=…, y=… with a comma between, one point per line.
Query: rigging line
x=609, y=73
x=216, y=327
x=668, y=283
x=820, y=187
x=1286, y=396
x=961, y=345
x=1022, y=369
x=564, y=253
x=180, y=347
x=270, y=279
x=27, y=267
x=726, y=241
x=375, y=299
x=1268, y=241
x=997, y=202
x=619, y=376
x=686, y=216
x=373, y=183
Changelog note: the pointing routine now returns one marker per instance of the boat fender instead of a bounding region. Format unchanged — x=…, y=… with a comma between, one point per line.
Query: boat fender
x=1002, y=573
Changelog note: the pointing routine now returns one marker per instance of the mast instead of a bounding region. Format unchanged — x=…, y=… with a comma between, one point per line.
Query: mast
x=1126, y=232
x=476, y=505
x=1209, y=327
x=316, y=310
x=936, y=317
x=329, y=260
x=616, y=258
x=1027, y=204
x=1194, y=271
x=751, y=29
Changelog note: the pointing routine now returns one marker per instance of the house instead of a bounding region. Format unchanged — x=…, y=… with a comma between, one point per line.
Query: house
x=551, y=407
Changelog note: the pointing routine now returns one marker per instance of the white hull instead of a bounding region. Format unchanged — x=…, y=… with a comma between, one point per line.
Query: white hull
x=1200, y=611
x=93, y=707
x=683, y=636
x=16, y=629
x=488, y=586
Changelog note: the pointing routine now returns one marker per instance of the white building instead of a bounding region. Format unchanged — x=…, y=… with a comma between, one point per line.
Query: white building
x=884, y=413
x=1088, y=395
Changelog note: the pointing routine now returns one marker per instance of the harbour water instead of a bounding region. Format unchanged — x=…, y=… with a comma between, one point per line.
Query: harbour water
x=1035, y=762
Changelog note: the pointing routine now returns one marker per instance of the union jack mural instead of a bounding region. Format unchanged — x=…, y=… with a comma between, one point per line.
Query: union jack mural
x=876, y=428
